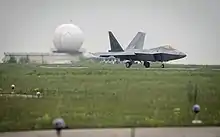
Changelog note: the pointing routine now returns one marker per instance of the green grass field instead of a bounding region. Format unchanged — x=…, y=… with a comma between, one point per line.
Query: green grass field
x=106, y=97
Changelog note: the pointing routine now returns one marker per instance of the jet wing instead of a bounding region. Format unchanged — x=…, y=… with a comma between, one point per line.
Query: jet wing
x=117, y=54
x=143, y=52
x=145, y=55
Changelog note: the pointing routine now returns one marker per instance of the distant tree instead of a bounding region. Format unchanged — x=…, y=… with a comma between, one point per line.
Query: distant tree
x=12, y=59
x=4, y=60
x=24, y=60
x=1, y=79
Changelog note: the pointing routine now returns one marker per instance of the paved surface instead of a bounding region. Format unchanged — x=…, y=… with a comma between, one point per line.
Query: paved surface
x=216, y=69
x=175, y=69
x=63, y=67
x=75, y=67
x=137, y=68
x=126, y=132
x=167, y=68
x=19, y=95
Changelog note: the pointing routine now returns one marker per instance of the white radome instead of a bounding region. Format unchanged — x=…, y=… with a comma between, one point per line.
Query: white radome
x=68, y=37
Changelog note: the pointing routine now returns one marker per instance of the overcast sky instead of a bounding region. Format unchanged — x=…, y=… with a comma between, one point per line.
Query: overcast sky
x=191, y=26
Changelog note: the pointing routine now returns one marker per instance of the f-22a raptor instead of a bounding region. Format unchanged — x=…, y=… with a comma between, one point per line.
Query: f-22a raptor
x=135, y=52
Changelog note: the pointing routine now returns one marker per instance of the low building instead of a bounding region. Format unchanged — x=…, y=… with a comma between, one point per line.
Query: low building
x=41, y=58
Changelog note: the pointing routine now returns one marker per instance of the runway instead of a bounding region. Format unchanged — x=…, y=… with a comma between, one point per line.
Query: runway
x=124, y=132
x=19, y=95
x=75, y=67
x=192, y=69
x=167, y=68
x=64, y=67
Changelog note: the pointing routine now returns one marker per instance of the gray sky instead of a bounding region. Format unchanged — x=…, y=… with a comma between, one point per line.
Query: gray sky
x=191, y=26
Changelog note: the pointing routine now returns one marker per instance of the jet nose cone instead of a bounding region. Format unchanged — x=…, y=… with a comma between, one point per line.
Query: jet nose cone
x=182, y=55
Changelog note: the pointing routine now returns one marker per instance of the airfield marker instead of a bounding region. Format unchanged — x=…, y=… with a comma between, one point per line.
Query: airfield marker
x=59, y=124
x=13, y=88
x=196, y=110
x=196, y=107
x=38, y=94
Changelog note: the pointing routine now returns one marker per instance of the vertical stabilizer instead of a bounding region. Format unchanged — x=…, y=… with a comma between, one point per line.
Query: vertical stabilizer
x=115, y=46
x=137, y=42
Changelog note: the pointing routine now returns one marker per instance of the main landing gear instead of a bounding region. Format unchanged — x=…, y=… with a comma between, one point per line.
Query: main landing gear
x=146, y=64
x=129, y=63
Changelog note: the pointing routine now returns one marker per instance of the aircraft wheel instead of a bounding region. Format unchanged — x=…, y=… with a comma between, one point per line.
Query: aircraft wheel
x=128, y=64
x=162, y=66
x=146, y=64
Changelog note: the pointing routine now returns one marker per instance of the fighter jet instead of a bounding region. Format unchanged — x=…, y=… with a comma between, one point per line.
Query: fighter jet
x=130, y=55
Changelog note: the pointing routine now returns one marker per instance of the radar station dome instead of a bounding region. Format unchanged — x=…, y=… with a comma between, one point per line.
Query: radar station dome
x=68, y=38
